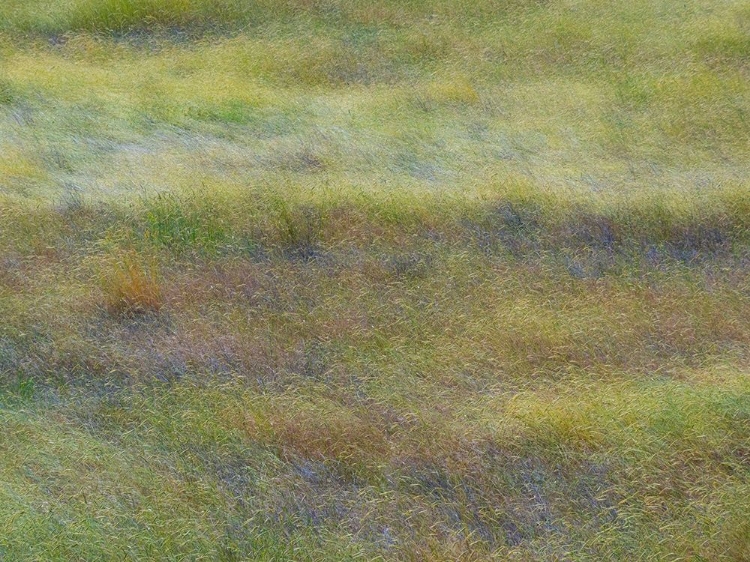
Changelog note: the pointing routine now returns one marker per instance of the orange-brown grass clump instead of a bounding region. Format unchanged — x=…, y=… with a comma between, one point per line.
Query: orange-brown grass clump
x=131, y=287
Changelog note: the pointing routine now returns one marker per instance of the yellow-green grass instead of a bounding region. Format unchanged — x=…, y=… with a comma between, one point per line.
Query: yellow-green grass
x=651, y=95
x=387, y=280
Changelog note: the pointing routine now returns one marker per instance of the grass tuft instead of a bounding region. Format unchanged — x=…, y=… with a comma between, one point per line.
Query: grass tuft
x=131, y=286
x=183, y=223
x=298, y=230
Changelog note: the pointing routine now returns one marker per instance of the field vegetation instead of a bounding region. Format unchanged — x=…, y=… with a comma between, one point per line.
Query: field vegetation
x=385, y=280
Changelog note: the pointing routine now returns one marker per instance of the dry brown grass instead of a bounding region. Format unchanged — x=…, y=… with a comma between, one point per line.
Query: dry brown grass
x=131, y=286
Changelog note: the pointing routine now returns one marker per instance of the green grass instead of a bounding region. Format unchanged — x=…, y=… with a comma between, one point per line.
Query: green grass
x=386, y=281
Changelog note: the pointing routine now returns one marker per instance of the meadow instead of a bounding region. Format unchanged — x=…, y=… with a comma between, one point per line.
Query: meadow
x=385, y=280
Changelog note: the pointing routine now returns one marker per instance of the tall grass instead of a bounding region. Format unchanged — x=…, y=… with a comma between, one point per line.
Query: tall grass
x=438, y=376
x=131, y=288
x=396, y=280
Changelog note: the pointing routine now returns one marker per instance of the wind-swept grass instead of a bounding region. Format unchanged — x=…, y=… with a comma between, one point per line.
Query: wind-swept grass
x=452, y=377
x=386, y=280
x=130, y=288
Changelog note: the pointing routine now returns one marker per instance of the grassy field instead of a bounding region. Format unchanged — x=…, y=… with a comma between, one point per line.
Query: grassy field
x=386, y=280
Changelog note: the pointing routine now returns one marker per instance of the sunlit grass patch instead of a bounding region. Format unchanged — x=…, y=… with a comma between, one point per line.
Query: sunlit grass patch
x=17, y=163
x=453, y=90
